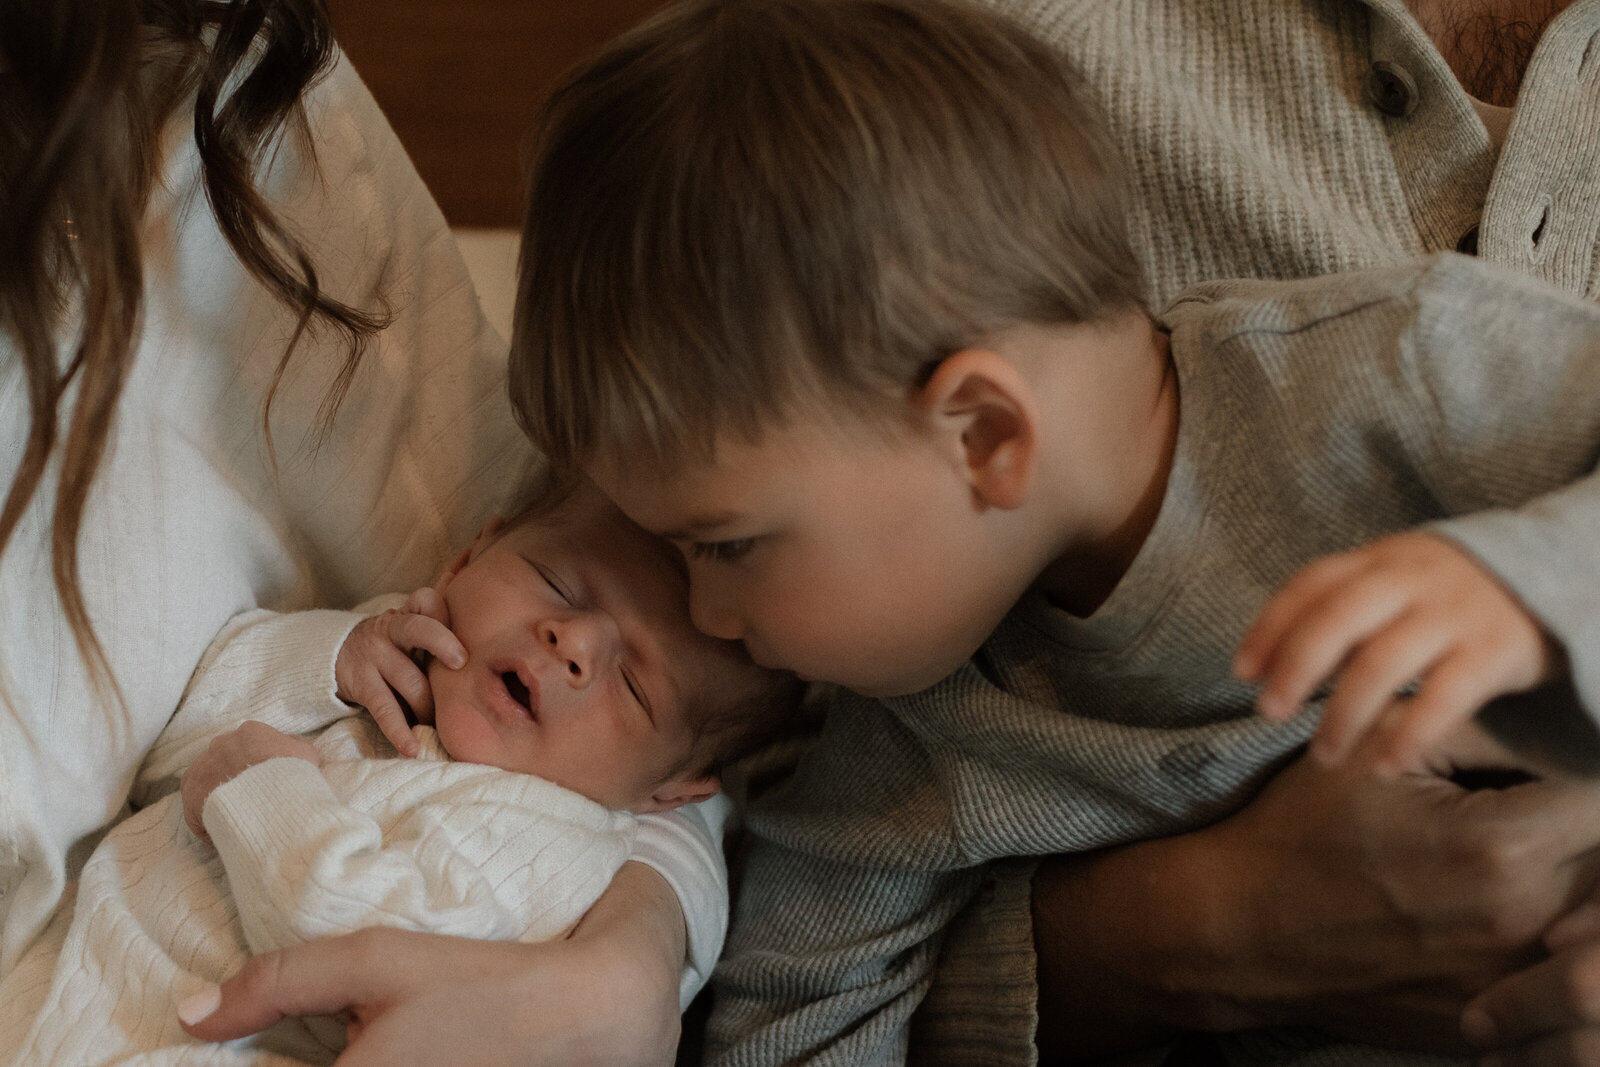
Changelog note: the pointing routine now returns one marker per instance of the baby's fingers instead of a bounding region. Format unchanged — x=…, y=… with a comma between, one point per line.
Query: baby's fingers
x=421, y=633
x=371, y=688
x=427, y=601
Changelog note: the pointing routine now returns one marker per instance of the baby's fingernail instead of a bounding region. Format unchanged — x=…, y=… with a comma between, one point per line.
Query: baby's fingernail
x=1478, y=1026
x=199, y=1005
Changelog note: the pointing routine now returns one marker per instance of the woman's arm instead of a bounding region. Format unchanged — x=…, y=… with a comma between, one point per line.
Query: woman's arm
x=1371, y=908
x=685, y=848
x=606, y=995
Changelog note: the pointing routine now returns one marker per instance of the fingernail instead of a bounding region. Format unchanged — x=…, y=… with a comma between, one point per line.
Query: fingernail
x=199, y=1005
x=1478, y=1026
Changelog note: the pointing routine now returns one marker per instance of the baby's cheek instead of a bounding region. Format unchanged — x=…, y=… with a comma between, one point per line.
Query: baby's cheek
x=463, y=731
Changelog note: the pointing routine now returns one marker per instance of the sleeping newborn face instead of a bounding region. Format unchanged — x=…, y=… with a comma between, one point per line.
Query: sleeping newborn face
x=582, y=665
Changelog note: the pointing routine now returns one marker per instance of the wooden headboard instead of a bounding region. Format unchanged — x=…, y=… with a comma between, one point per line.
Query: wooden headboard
x=461, y=79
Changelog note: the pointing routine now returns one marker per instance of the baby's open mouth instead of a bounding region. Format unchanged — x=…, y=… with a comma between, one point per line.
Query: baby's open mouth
x=518, y=691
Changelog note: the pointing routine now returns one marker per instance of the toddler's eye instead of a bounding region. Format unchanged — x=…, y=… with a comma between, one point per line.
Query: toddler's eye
x=722, y=551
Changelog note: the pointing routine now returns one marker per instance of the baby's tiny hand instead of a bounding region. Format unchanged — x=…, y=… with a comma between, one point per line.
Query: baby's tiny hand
x=430, y=602
x=228, y=756
x=375, y=663
x=1407, y=607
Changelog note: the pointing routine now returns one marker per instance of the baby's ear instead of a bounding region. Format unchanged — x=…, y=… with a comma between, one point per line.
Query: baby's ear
x=479, y=543
x=678, y=792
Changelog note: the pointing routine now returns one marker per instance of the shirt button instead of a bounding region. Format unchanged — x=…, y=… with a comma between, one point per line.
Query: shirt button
x=1468, y=245
x=1392, y=90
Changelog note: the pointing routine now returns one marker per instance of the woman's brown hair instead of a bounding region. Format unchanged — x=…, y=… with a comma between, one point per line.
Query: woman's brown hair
x=85, y=89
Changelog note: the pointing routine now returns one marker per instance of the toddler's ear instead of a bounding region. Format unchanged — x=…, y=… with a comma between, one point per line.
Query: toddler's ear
x=479, y=543
x=678, y=792
x=982, y=407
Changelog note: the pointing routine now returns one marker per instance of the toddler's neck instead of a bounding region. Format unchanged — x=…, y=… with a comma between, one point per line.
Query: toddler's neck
x=1081, y=578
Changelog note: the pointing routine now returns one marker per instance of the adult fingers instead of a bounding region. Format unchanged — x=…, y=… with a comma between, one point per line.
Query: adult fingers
x=1560, y=995
x=321, y=977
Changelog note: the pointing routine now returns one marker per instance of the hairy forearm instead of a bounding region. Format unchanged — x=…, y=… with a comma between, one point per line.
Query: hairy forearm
x=1371, y=908
x=1126, y=940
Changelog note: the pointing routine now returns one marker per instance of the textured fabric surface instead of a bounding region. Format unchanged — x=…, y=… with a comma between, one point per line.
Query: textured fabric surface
x=1254, y=149
x=1475, y=397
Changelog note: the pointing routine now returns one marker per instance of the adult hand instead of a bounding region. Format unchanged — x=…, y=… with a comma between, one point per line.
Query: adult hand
x=608, y=994
x=1371, y=907
x=1549, y=1014
x=229, y=755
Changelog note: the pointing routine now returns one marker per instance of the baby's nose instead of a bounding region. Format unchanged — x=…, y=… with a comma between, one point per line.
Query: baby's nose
x=580, y=645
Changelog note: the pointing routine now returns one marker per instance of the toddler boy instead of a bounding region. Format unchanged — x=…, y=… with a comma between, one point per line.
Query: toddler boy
x=837, y=295
x=565, y=688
